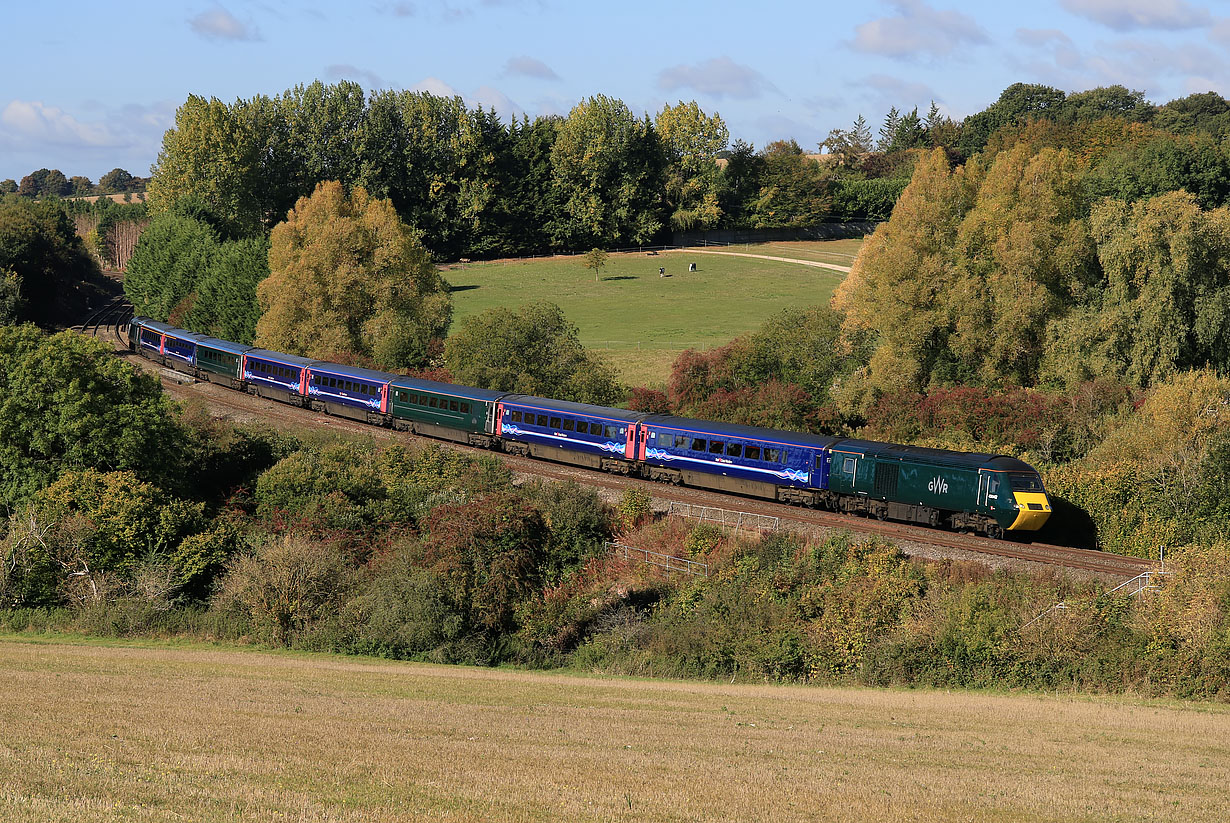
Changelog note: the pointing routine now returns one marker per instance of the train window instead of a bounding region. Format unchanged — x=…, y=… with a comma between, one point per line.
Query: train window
x=555, y=422
x=772, y=455
x=465, y=408
x=582, y=427
x=452, y=406
x=569, y=424
x=847, y=466
x=681, y=441
x=698, y=445
x=716, y=447
x=1025, y=482
x=734, y=449
x=514, y=416
x=433, y=403
x=753, y=453
x=540, y=420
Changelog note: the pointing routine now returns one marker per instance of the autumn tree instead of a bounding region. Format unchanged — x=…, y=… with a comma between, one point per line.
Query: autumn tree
x=534, y=350
x=348, y=278
x=1162, y=304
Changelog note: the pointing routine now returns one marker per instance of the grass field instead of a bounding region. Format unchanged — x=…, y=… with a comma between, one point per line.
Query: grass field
x=640, y=321
x=158, y=733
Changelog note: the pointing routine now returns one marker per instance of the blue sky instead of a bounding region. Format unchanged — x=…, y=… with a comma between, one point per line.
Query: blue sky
x=88, y=86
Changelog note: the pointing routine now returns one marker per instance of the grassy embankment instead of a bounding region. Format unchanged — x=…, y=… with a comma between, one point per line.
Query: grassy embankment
x=640, y=321
x=113, y=732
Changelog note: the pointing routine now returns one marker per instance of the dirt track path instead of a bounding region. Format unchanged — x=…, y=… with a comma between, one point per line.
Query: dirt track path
x=814, y=263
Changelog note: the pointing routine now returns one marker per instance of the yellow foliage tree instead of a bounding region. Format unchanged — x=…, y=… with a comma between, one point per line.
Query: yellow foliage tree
x=350, y=281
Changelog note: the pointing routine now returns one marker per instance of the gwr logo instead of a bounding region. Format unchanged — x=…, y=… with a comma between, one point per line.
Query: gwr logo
x=938, y=485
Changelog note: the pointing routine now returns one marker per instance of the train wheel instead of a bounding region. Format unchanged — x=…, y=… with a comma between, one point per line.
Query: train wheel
x=995, y=532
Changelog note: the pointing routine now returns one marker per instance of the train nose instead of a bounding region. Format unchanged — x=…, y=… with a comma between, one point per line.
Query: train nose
x=1033, y=510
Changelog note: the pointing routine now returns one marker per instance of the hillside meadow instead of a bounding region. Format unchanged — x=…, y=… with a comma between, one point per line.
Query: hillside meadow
x=157, y=732
x=639, y=321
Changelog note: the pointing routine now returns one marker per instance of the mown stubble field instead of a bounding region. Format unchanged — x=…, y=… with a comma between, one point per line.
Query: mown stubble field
x=115, y=732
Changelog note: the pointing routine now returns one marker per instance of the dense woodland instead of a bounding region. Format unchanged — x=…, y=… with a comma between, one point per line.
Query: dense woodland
x=1053, y=282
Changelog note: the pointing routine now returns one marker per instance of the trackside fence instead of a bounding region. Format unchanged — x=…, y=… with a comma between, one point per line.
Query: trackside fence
x=1150, y=581
x=726, y=518
x=662, y=561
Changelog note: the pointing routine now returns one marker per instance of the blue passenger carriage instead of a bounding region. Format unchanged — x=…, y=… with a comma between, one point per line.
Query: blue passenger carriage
x=594, y=436
x=780, y=465
x=349, y=391
x=276, y=376
x=168, y=345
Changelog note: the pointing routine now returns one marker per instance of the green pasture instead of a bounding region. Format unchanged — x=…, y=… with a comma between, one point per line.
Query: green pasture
x=640, y=321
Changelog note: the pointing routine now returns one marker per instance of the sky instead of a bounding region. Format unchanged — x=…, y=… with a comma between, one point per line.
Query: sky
x=86, y=87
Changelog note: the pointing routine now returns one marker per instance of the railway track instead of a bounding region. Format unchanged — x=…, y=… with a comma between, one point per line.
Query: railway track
x=108, y=322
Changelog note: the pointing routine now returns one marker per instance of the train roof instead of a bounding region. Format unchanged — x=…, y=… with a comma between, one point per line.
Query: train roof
x=223, y=345
x=945, y=457
x=452, y=389
x=163, y=328
x=711, y=427
x=279, y=357
x=576, y=409
x=354, y=372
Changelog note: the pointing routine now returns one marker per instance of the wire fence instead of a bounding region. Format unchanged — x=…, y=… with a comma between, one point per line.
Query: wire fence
x=663, y=561
x=727, y=518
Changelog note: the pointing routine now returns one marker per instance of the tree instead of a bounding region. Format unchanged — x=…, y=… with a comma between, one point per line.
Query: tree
x=888, y=131
x=116, y=181
x=171, y=257
x=80, y=186
x=793, y=189
x=225, y=305
x=11, y=304
x=692, y=141
x=1163, y=303
x=607, y=167
x=595, y=259
x=850, y=146
x=214, y=153
x=534, y=350
x=348, y=278
x=66, y=401
x=8, y=186
x=39, y=245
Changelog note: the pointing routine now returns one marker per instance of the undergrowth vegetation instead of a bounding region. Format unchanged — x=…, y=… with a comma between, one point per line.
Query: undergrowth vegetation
x=428, y=554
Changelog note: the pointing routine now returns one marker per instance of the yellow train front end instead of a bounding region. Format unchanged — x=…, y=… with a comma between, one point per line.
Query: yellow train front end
x=1032, y=504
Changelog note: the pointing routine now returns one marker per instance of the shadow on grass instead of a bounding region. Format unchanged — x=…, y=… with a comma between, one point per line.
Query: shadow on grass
x=622, y=277
x=452, y=289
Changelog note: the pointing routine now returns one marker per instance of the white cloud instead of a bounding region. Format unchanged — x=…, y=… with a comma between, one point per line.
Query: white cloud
x=1128, y=15
x=345, y=71
x=219, y=24
x=491, y=98
x=436, y=86
x=529, y=67
x=918, y=29
x=719, y=77
x=30, y=123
